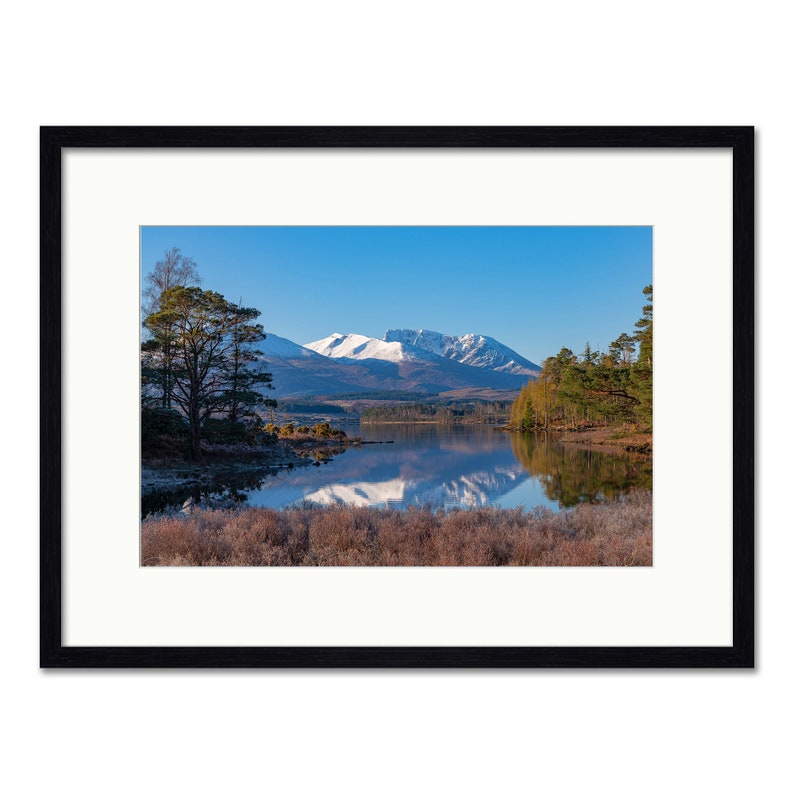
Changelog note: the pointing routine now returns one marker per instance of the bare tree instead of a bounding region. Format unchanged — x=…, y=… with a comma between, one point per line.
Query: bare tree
x=173, y=270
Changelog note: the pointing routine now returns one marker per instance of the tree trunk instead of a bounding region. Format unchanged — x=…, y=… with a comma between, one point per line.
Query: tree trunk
x=195, y=445
x=195, y=433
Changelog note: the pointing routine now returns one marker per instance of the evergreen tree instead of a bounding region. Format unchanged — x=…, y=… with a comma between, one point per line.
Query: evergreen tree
x=644, y=327
x=611, y=388
x=588, y=357
x=241, y=368
x=212, y=364
x=622, y=350
x=642, y=371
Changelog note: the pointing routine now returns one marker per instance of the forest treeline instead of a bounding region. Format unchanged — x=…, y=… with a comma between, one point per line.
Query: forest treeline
x=594, y=387
x=452, y=413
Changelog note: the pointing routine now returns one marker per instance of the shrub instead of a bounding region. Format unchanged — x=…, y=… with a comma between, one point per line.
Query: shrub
x=164, y=432
x=156, y=421
x=612, y=534
x=224, y=431
x=324, y=430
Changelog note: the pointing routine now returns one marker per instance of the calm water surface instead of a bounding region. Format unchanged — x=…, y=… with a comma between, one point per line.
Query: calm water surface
x=440, y=465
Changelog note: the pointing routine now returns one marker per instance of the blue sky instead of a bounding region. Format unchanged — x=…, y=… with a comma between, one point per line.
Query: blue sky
x=535, y=289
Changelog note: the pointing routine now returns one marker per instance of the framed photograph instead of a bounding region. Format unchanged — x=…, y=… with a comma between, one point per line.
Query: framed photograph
x=397, y=397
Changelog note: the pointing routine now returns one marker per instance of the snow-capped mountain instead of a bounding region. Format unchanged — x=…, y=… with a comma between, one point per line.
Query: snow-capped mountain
x=475, y=350
x=361, y=347
x=278, y=347
x=356, y=363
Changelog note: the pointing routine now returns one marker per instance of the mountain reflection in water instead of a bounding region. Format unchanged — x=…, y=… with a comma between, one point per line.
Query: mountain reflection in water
x=437, y=465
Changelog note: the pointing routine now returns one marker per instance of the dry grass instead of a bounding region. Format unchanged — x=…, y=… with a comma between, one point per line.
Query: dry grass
x=630, y=438
x=613, y=534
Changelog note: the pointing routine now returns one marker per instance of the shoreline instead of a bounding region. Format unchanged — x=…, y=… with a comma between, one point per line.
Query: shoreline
x=622, y=438
x=225, y=459
x=627, y=440
x=167, y=473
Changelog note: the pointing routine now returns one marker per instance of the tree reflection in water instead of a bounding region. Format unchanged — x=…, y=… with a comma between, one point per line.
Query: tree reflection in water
x=453, y=466
x=230, y=491
x=570, y=474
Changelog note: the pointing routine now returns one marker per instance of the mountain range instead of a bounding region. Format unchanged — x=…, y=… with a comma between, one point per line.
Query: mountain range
x=403, y=360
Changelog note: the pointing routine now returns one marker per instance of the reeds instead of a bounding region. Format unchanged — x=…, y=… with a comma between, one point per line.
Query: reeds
x=610, y=534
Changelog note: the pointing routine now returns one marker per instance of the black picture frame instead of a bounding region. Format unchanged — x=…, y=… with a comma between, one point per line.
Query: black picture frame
x=53, y=653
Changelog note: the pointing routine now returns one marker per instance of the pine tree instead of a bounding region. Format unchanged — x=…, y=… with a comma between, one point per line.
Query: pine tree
x=622, y=350
x=642, y=371
x=213, y=366
x=611, y=387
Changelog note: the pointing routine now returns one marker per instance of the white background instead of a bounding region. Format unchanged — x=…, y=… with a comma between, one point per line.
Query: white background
x=429, y=63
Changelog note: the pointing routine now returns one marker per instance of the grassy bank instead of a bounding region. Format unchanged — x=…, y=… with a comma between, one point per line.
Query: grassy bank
x=611, y=534
x=614, y=438
x=626, y=438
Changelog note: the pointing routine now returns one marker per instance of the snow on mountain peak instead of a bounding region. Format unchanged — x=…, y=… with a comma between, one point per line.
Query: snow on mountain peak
x=475, y=350
x=358, y=346
x=400, y=345
x=278, y=347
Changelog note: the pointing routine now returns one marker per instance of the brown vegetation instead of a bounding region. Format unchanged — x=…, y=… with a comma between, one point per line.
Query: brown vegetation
x=629, y=438
x=610, y=534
